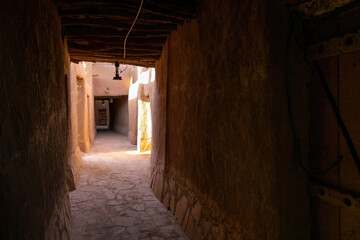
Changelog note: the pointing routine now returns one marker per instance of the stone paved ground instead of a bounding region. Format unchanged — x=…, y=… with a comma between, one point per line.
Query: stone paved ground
x=113, y=199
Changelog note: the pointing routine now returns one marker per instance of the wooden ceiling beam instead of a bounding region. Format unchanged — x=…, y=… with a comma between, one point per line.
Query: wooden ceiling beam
x=120, y=6
x=88, y=31
x=144, y=63
x=116, y=39
x=113, y=28
x=133, y=61
x=118, y=45
x=112, y=58
x=119, y=54
x=128, y=16
x=110, y=23
x=183, y=9
x=115, y=50
x=96, y=29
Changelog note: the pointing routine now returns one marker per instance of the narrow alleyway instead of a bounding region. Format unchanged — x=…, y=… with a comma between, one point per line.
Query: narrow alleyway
x=113, y=199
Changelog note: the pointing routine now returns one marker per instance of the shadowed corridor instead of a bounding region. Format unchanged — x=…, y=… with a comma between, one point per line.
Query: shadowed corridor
x=250, y=108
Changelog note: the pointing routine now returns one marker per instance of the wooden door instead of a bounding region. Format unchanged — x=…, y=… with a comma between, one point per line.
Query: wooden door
x=332, y=221
x=102, y=117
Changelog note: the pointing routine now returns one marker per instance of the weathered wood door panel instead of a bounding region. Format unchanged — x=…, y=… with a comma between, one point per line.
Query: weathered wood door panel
x=324, y=134
x=342, y=73
x=349, y=178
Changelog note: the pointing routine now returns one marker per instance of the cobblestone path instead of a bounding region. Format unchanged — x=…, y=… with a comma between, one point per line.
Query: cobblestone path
x=113, y=199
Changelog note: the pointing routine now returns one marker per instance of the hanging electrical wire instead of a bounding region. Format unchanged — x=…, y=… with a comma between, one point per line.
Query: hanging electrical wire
x=127, y=35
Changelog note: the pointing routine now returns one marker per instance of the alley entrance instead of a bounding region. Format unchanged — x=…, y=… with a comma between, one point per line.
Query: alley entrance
x=113, y=199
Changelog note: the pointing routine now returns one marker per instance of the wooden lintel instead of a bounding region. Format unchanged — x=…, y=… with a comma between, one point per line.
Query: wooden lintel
x=336, y=197
x=180, y=9
x=91, y=31
x=92, y=55
x=152, y=41
x=129, y=53
x=84, y=35
x=113, y=59
x=142, y=63
x=315, y=8
x=120, y=6
x=111, y=23
x=334, y=46
x=110, y=46
x=101, y=97
x=118, y=13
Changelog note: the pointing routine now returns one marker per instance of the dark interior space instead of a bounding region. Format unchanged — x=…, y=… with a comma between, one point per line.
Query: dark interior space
x=254, y=112
x=102, y=113
x=112, y=114
x=119, y=115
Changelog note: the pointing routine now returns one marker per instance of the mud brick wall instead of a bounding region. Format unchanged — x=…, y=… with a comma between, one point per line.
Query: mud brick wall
x=225, y=167
x=34, y=200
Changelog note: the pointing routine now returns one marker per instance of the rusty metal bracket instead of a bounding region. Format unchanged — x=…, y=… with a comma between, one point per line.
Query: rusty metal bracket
x=316, y=8
x=336, y=197
x=350, y=42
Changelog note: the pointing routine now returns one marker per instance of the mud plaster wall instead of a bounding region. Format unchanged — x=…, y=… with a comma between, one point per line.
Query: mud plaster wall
x=144, y=128
x=144, y=120
x=158, y=117
x=140, y=89
x=133, y=108
x=133, y=115
x=85, y=104
x=74, y=154
x=119, y=115
x=227, y=170
x=34, y=201
x=103, y=78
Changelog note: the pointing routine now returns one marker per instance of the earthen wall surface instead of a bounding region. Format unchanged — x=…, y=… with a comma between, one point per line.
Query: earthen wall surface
x=224, y=162
x=74, y=154
x=133, y=115
x=82, y=72
x=119, y=114
x=34, y=200
x=103, y=79
x=140, y=89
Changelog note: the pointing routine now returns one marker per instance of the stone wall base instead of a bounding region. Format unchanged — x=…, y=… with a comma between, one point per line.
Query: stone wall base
x=60, y=221
x=73, y=168
x=199, y=216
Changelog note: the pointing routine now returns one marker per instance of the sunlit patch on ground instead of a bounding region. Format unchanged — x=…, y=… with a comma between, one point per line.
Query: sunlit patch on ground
x=137, y=153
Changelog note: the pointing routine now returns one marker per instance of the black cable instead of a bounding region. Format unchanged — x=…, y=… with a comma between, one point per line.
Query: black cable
x=338, y=115
x=288, y=83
